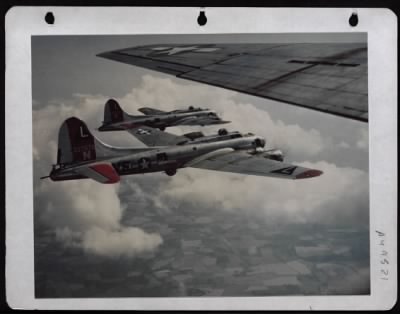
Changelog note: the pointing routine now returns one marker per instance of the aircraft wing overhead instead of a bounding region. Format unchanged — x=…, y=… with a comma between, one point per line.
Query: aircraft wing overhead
x=228, y=160
x=154, y=137
x=327, y=77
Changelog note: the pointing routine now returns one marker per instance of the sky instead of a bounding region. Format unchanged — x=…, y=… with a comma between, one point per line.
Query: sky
x=69, y=80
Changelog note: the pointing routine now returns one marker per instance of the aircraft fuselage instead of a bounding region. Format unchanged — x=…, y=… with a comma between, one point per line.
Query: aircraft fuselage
x=161, y=121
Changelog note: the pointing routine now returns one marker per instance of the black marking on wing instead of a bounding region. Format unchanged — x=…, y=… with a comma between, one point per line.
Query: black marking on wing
x=286, y=171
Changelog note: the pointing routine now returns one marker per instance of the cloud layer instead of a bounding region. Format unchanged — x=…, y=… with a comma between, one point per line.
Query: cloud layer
x=338, y=197
x=88, y=215
x=83, y=213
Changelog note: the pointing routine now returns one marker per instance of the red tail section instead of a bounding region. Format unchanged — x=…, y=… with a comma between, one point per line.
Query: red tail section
x=75, y=142
x=113, y=112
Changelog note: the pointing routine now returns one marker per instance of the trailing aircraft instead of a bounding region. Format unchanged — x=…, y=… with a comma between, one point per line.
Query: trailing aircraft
x=152, y=111
x=81, y=155
x=153, y=137
x=116, y=119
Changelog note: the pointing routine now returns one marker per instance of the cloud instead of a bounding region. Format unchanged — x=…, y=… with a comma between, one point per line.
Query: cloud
x=126, y=241
x=339, y=196
x=79, y=204
x=88, y=215
x=81, y=211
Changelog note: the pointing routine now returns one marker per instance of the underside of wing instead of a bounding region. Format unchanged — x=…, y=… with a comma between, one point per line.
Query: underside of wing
x=154, y=137
x=228, y=160
x=327, y=77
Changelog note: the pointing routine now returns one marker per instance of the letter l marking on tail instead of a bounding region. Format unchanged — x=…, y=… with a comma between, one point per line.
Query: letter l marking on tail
x=83, y=134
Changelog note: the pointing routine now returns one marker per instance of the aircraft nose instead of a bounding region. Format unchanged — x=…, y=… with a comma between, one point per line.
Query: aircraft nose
x=309, y=174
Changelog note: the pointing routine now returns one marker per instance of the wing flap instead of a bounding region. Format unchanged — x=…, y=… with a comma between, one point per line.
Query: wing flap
x=252, y=164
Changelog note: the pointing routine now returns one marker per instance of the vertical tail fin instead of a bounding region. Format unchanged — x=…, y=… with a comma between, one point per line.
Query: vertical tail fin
x=77, y=144
x=113, y=112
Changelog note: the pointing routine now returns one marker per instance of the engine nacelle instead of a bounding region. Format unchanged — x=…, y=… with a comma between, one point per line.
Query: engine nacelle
x=259, y=142
x=170, y=172
x=222, y=132
x=274, y=154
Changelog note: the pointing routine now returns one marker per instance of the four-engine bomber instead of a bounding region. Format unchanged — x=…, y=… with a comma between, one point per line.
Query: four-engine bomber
x=81, y=155
x=115, y=119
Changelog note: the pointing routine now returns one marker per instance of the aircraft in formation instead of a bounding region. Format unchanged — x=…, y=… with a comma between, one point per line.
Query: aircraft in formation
x=81, y=155
x=115, y=119
x=327, y=77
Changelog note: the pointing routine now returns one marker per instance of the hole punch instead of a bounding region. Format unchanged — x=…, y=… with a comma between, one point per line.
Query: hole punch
x=49, y=18
x=353, y=20
x=202, y=19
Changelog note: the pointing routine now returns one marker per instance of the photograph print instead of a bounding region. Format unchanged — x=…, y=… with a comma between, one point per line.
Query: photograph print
x=200, y=165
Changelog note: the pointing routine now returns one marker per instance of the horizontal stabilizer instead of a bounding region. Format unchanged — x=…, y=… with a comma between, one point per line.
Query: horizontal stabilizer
x=100, y=172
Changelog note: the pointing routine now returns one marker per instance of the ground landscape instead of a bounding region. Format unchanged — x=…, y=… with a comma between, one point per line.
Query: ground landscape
x=246, y=258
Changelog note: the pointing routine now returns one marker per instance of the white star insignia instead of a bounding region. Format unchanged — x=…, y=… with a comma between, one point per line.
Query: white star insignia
x=143, y=132
x=144, y=164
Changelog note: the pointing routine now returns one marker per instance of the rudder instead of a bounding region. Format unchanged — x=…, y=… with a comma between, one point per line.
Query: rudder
x=113, y=112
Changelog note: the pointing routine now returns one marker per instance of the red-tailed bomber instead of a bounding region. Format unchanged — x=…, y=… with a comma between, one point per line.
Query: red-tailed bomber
x=115, y=119
x=81, y=155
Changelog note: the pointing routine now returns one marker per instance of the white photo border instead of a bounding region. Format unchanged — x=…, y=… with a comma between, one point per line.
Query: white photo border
x=381, y=26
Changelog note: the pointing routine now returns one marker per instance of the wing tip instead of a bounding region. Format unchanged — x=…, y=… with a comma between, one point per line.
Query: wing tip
x=309, y=174
x=105, y=54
